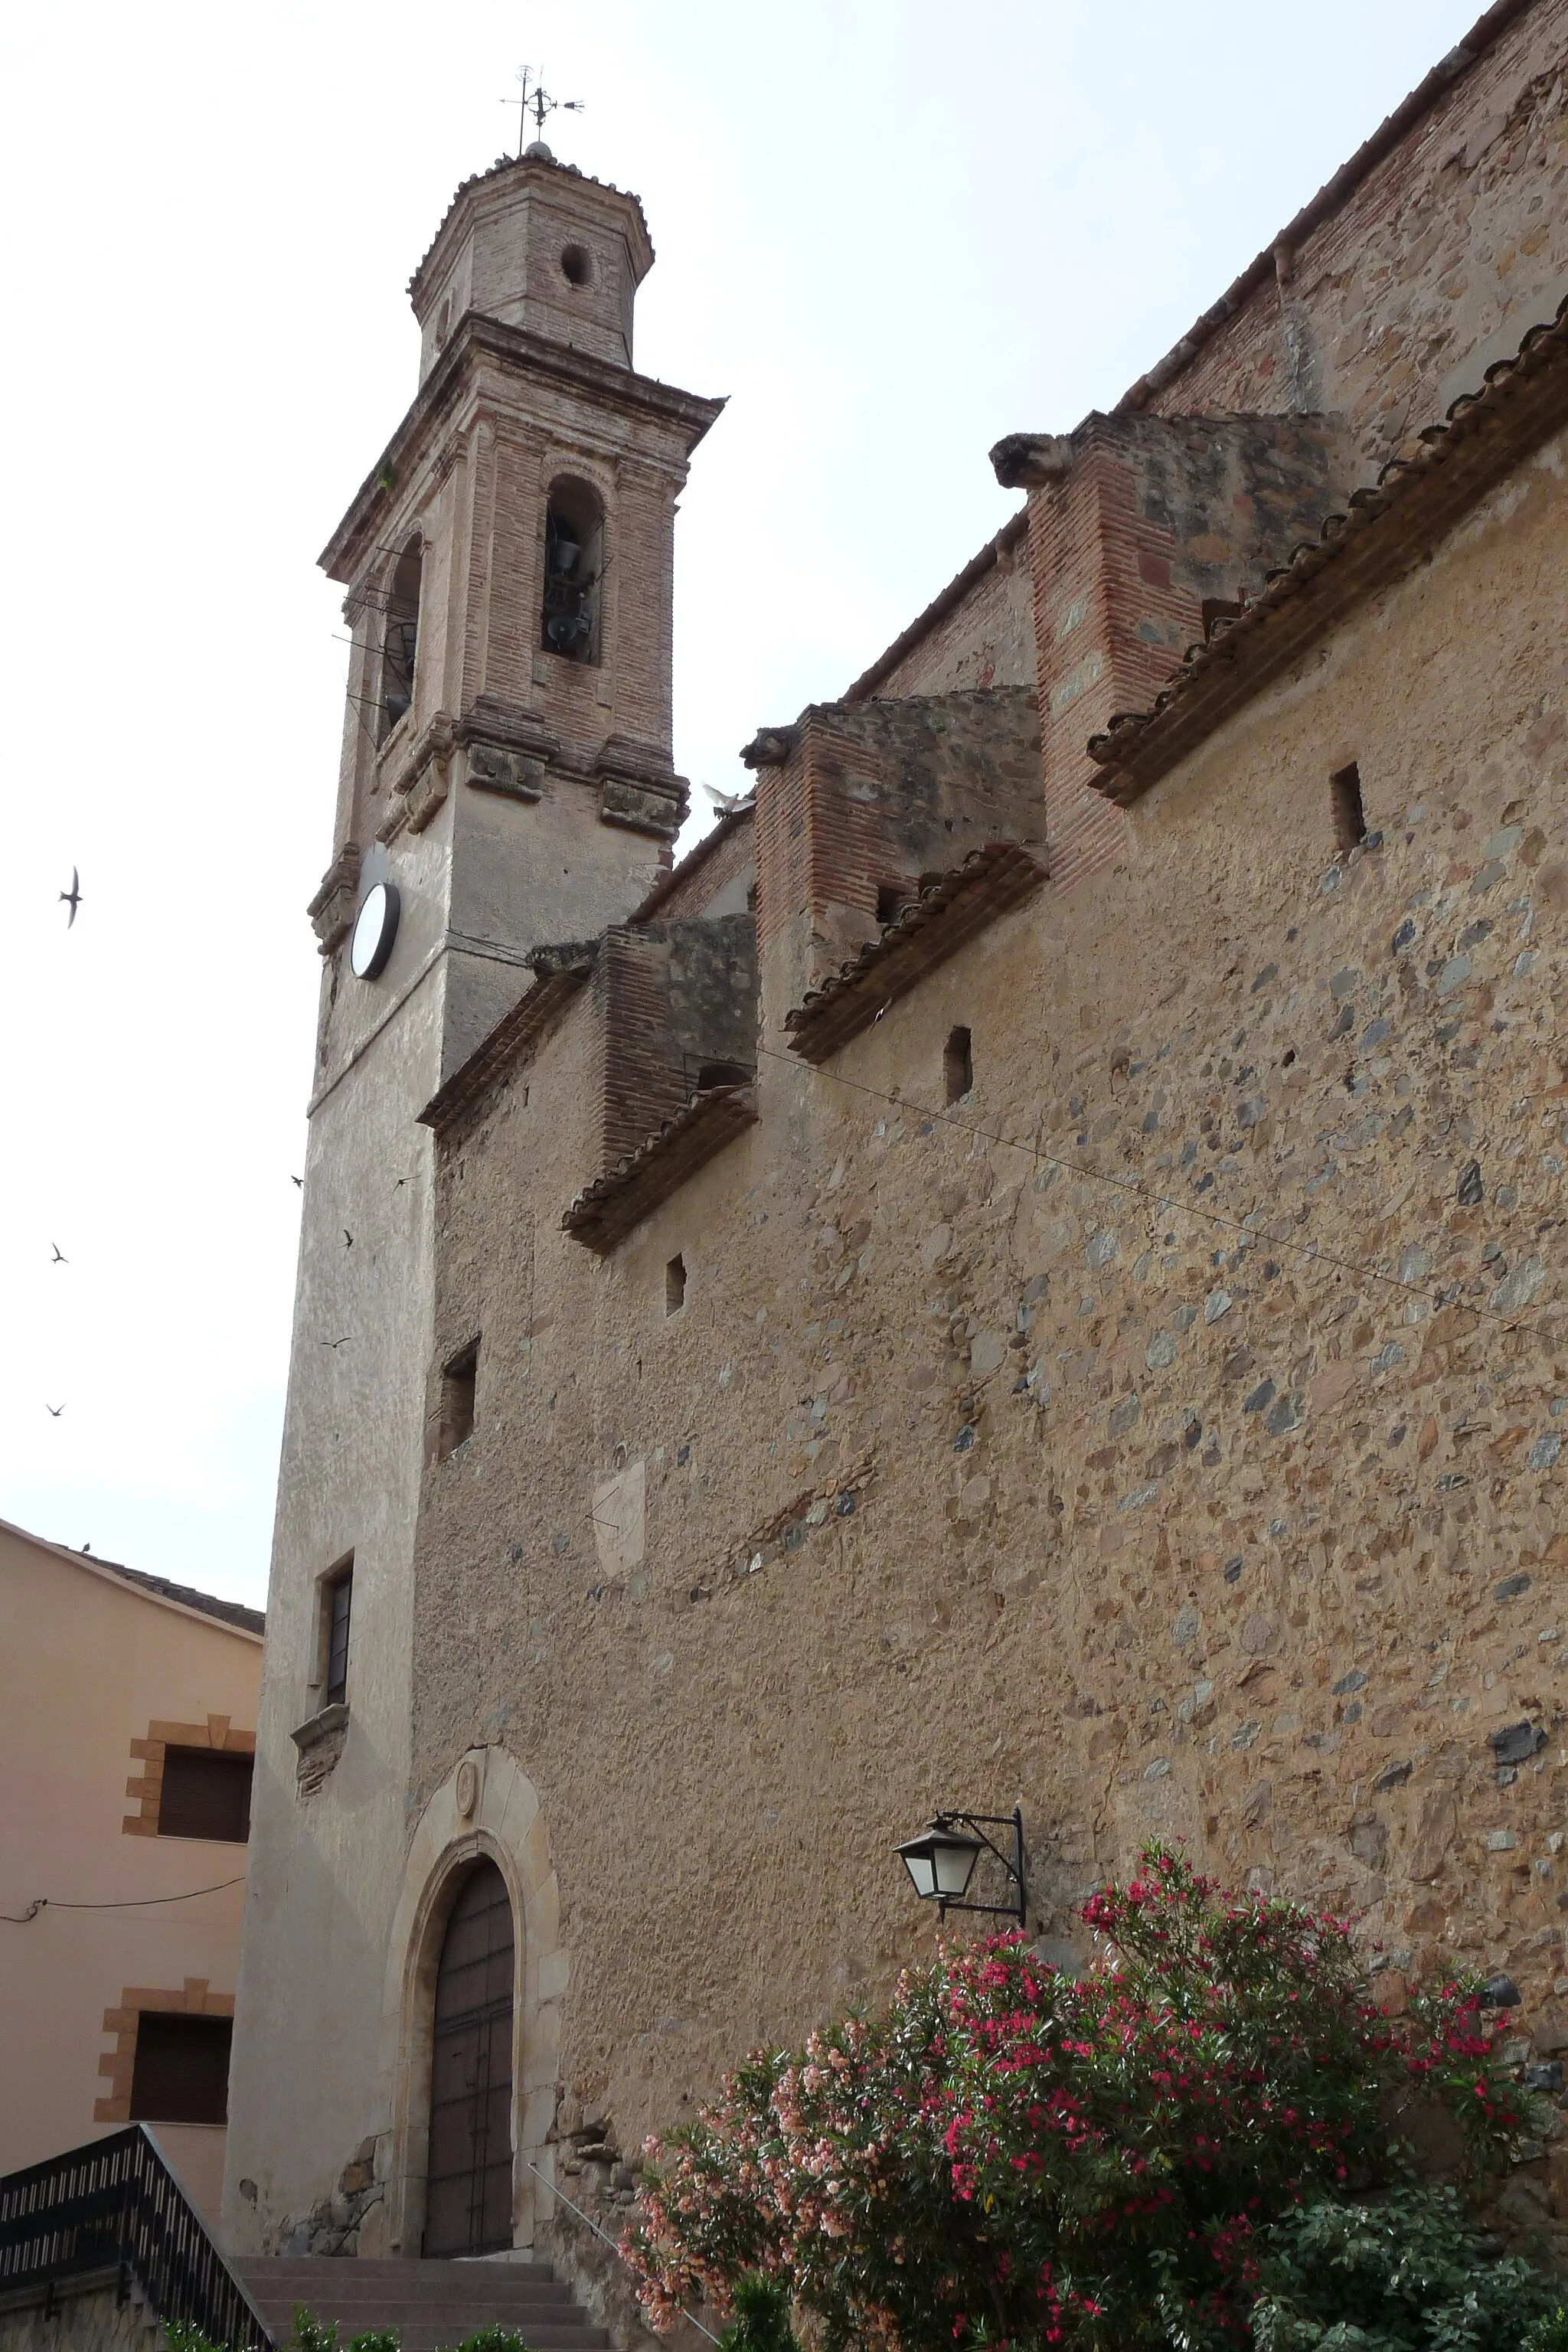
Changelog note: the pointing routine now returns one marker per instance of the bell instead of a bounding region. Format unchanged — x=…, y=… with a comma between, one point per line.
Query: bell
x=563, y=557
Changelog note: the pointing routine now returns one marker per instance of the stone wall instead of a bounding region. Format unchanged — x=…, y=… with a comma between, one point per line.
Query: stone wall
x=1167, y=1436
x=1453, y=244
x=86, y=2316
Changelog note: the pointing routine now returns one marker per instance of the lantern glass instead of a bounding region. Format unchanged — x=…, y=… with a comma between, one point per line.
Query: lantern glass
x=922, y=1871
x=954, y=1857
x=940, y=1861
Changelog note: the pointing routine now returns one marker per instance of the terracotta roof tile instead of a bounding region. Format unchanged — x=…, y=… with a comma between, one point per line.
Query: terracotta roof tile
x=554, y=989
x=924, y=934
x=229, y=1613
x=605, y=1212
x=1424, y=487
x=504, y=163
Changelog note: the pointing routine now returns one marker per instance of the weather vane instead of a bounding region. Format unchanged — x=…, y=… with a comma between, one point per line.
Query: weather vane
x=536, y=101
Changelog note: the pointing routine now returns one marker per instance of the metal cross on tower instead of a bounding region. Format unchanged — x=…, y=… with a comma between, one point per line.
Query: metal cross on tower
x=536, y=101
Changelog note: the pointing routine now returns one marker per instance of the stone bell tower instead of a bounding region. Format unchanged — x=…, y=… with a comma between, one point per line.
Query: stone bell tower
x=506, y=782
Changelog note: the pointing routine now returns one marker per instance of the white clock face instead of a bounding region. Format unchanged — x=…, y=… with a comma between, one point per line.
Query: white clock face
x=375, y=928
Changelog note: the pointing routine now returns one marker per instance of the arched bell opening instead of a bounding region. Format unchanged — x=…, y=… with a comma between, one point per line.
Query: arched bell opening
x=469, y=2193
x=400, y=637
x=574, y=571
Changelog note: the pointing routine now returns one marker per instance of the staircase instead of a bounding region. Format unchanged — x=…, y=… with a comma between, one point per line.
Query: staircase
x=431, y=2305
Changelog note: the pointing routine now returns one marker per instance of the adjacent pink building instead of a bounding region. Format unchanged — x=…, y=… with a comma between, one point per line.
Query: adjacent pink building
x=127, y=1740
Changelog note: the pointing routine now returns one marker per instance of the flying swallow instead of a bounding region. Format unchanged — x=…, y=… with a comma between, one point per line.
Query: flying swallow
x=72, y=898
x=55, y=1408
x=59, y=1257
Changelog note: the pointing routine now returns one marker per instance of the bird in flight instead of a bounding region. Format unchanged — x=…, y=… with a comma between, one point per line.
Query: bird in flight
x=338, y=1343
x=348, y=1238
x=298, y=1180
x=55, y=1408
x=59, y=1257
x=726, y=802
x=72, y=898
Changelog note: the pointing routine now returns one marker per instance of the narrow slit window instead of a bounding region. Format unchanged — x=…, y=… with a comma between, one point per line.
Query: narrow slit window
x=958, y=1064
x=337, y=1605
x=675, y=1286
x=1350, y=816
x=459, y=1391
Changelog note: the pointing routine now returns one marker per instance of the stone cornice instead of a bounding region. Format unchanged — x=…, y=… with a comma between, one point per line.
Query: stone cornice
x=685, y=414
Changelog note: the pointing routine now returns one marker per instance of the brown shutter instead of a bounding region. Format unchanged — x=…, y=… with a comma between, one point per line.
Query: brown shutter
x=181, y=2072
x=205, y=1794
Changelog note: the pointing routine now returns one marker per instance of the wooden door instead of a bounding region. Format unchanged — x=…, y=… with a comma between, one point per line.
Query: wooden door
x=468, y=2202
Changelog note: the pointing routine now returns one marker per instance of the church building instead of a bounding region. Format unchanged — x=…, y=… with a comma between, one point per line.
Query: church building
x=1025, y=1273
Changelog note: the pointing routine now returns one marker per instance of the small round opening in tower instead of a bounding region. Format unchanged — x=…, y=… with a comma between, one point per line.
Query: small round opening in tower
x=576, y=264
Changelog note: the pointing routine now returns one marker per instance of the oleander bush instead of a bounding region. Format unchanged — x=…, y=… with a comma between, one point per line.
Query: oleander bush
x=1406, y=2274
x=1008, y=2155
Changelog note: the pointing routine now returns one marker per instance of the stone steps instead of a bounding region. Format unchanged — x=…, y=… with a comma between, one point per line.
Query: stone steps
x=431, y=2305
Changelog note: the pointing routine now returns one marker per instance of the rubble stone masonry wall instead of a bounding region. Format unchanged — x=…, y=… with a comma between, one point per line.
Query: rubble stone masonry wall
x=1169, y=1435
x=1448, y=243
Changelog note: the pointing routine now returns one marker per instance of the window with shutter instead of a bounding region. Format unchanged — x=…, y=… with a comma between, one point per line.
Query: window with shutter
x=181, y=2071
x=204, y=1795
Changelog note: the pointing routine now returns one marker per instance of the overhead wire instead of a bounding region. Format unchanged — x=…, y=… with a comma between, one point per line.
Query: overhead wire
x=130, y=1903
x=1313, y=1252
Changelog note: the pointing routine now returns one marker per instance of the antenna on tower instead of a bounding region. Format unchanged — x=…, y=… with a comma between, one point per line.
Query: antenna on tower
x=536, y=101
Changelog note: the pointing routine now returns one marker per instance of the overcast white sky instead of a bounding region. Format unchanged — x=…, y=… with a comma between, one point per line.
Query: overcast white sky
x=891, y=231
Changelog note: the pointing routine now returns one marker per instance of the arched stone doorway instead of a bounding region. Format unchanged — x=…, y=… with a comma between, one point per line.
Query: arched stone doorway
x=468, y=2197
x=486, y=1810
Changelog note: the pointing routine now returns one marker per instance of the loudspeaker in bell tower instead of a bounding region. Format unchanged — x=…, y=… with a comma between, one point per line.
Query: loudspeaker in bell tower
x=506, y=782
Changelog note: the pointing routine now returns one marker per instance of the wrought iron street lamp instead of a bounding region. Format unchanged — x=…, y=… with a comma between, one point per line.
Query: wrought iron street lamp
x=940, y=1861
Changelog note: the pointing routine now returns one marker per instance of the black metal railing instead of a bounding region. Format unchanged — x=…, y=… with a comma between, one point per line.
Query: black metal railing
x=114, y=2205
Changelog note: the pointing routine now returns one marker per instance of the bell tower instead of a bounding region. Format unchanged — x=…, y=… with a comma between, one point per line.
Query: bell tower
x=506, y=782
x=509, y=569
